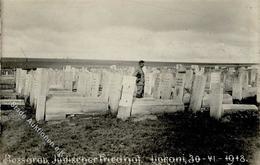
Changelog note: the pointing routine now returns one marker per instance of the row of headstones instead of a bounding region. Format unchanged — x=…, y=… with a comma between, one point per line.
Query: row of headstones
x=239, y=80
x=36, y=83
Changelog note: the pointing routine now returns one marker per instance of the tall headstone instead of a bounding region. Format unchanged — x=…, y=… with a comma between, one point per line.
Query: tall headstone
x=188, y=79
x=237, y=85
x=258, y=84
x=252, y=77
x=21, y=81
x=245, y=80
x=94, y=84
x=197, y=94
x=179, y=86
x=126, y=101
x=17, y=77
x=43, y=90
x=216, y=95
x=115, y=92
x=81, y=86
x=68, y=78
x=106, y=83
x=149, y=84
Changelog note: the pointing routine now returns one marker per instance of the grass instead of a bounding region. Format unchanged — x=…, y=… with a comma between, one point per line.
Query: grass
x=178, y=134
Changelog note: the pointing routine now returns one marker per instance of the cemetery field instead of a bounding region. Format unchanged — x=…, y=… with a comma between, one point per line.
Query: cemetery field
x=178, y=134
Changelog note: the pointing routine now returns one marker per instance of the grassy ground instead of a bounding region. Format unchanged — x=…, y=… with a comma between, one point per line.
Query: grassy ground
x=179, y=134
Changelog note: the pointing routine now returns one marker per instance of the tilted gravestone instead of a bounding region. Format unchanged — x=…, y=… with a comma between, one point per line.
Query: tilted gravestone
x=197, y=94
x=126, y=101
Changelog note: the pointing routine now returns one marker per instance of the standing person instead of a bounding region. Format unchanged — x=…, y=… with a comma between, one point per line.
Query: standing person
x=140, y=81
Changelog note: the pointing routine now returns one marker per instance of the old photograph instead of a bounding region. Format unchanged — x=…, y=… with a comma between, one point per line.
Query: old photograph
x=125, y=82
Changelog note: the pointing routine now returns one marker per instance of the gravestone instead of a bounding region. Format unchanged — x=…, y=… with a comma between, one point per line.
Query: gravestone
x=258, y=84
x=252, y=77
x=188, y=79
x=126, y=101
x=237, y=85
x=106, y=83
x=28, y=82
x=82, y=83
x=216, y=95
x=115, y=92
x=228, y=82
x=148, y=84
x=21, y=81
x=163, y=85
x=94, y=84
x=179, y=86
x=68, y=80
x=198, y=89
x=245, y=79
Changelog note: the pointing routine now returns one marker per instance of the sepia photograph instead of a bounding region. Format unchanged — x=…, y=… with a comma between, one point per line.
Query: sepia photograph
x=130, y=82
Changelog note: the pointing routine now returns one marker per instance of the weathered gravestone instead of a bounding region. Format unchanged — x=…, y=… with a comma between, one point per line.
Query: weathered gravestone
x=126, y=101
x=198, y=89
x=258, y=84
x=237, y=85
x=115, y=92
x=43, y=90
x=188, y=79
x=68, y=80
x=82, y=83
x=163, y=86
x=94, y=84
x=252, y=77
x=106, y=83
x=216, y=95
x=21, y=75
x=179, y=86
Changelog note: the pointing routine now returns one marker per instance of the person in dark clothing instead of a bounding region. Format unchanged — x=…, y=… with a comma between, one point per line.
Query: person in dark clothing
x=140, y=80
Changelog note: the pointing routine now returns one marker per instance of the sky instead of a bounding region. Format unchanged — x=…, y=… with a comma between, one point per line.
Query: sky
x=154, y=30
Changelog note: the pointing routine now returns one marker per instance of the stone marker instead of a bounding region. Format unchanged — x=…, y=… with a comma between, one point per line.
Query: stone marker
x=149, y=82
x=82, y=83
x=68, y=80
x=28, y=82
x=227, y=99
x=43, y=90
x=94, y=84
x=106, y=83
x=237, y=85
x=216, y=95
x=126, y=101
x=197, y=92
x=155, y=106
x=115, y=92
x=232, y=108
x=228, y=82
x=258, y=84
x=163, y=86
x=179, y=86
x=252, y=77
x=57, y=107
x=21, y=81
x=245, y=80
x=188, y=79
